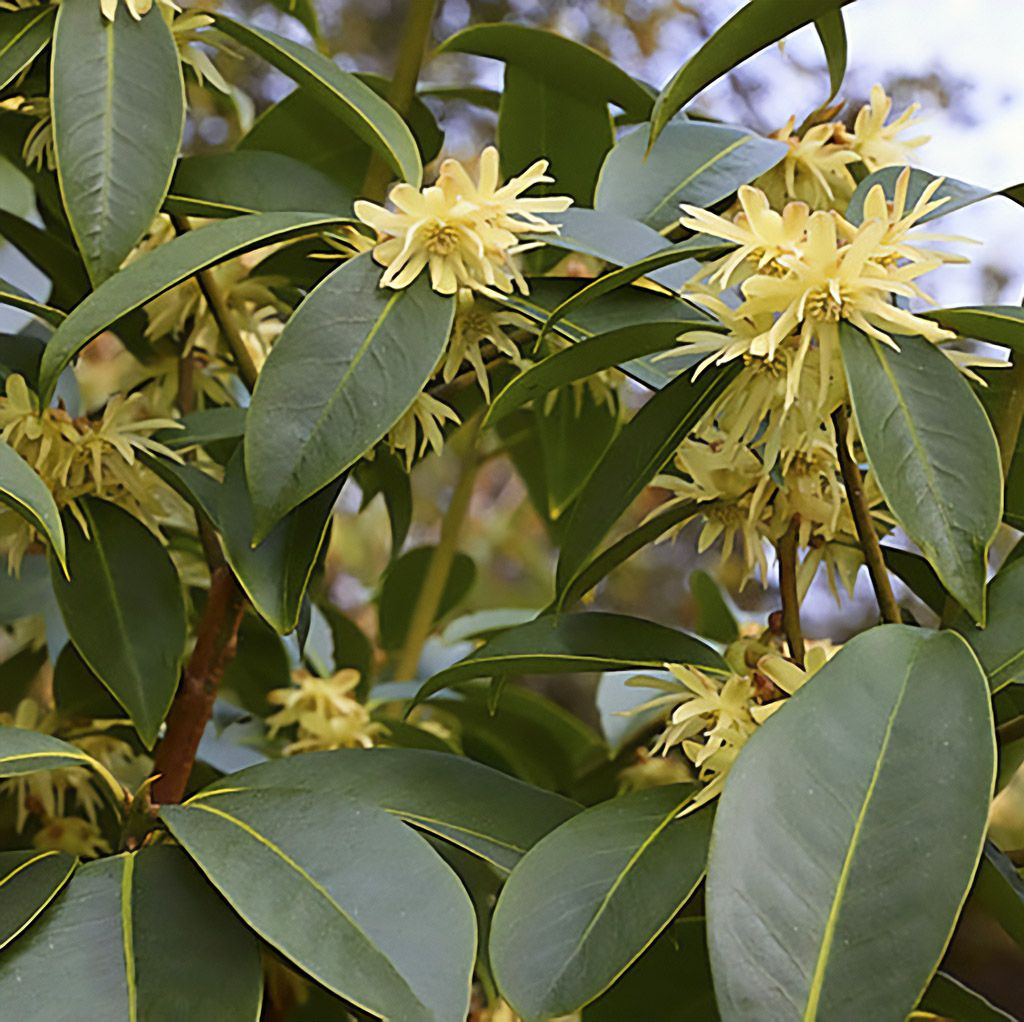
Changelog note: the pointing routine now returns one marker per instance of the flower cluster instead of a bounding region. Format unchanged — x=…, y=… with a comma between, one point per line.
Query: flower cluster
x=465, y=233
x=325, y=713
x=80, y=457
x=711, y=717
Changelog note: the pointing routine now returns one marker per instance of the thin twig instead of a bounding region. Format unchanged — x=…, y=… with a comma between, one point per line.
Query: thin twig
x=786, y=549
x=866, y=534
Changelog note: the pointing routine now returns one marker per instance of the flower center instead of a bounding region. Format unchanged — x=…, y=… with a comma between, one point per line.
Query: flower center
x=441, y=238
x=827, y=304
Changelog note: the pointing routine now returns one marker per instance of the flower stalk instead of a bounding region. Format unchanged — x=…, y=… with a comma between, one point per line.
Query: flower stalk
x=786, y=549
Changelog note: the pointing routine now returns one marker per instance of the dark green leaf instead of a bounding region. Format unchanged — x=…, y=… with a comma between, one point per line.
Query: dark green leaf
x=997, y=324
x=60, y=262
x=158, y=271
x=836, y=787
x=16, y=298
x=207, y=426
x=481, y=810
x=23, y=34
x=344, y=919
x=77, y=693
x=714, y=618
x=570, y=643
x=999, y=890
x=692, y=162
x=26, y=494
x=385, y=475
x=917, y=574
x=226, y=184
x=999, y=646
x=260, y=664
x=948, y=997
x=586, y=902
x=832, y=33
x=138, y=935
x=339, y=376
x=369, y=116
x=402, y=585
x=753, y=27
x=30, y=880
x=926, y=435
x=124, y=611
x=563, y=63
x=118, y=112
x=637, y=454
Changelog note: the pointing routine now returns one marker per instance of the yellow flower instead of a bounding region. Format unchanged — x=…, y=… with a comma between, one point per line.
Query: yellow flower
x=73, y=835
x=325, y=713
x=425, y=420
x=876, y=143
x=136, y=8
x=477, y=322
x=815, y=169
x=464, y=234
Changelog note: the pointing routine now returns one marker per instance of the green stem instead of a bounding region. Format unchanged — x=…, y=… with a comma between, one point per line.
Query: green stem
x=786, y=549
x=429, y=599
x=216, y=301
x=415, y=37
x=861, y=512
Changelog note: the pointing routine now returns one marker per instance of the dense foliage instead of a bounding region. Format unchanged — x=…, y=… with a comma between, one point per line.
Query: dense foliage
x=223, y=801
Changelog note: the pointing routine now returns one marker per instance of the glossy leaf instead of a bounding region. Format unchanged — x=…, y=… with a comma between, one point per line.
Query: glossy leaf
x=27, y=752
x=567, y=64
x=118, y=106
x=45, y=250
x=275, y=572
x=29, y=881
x=636, y=455
x=957, y=194
x=138, y=935
x=997, y=324
x=339, y=376
x=999, y=646
x=158, y=271
x=832, y=33
x=343, y=919
x=837, y=787
x=586, y=902
x=25, y=493
x=925, y=434
x=569, y=643
x=999, y=890
x=124, y=611
x=12, y=295
x=487, y=813
x=753, y=27
x=714, y=617
x=227, y=184
x=23, y=34
x=947, y=997
x=401, y=587
x=693, y=162
x=369, y=116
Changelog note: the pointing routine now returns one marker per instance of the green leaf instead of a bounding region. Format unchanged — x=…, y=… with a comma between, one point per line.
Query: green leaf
x=401, y=587
x=714, y=618
x=23, y=34
x=343, y=919
x=917, y=574
x=586, y=902
x=30, y=880
x=124, y=611
x=487, y=813
x=692, y=162
x=997, y=324
x=45, y=250
x=259, y=665
x=118, y=105
x=17, y=299
x=275, y=571
x=837, y=788
x=369, y=116
x=670, y=981
x=158, y=271
x=583, y=359
x=832, y=33
x=957, y=194
x=752, y=28
x=609, y=236
x=636, y=455
x=138, y=935
x=27, y=752
x=926, y=435
x=948, y=997
x=206, y=426
x=999, y=646
x=531, y=126
x=339, y=376
x=25, y=493
x=384, y=474
x=570, y=643
x=653, y=528
x=227, y=184
x=563, y=63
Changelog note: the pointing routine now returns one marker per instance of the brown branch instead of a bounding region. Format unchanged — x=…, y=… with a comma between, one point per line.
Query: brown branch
x=866, y=535
x=193, y=705
x=786, y=549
